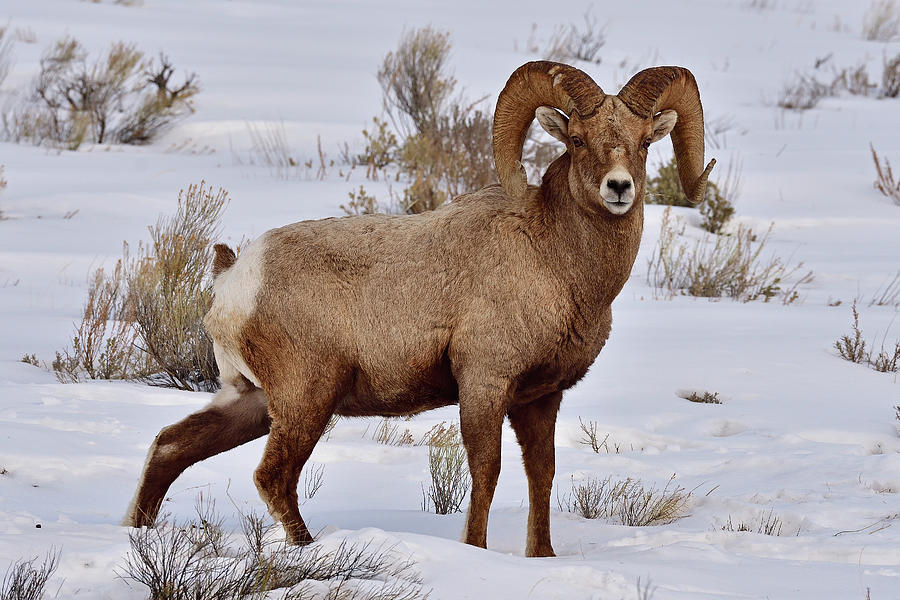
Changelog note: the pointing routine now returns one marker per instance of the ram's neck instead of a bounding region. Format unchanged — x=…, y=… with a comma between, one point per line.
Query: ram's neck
x=594, y=249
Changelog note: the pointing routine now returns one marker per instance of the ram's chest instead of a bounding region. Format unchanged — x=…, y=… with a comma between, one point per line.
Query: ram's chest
x=566, y=361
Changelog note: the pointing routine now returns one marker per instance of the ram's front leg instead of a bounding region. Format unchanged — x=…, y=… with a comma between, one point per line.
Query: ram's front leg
x=482, y=405
x=535, y=425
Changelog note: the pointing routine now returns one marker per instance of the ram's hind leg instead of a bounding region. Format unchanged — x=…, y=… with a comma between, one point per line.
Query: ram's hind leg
x=300, y=412
x=534, y=425
x=236, y=415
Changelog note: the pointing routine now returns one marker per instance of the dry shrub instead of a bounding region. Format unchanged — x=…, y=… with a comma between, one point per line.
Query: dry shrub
x=145, y=319
x=887, y=360
x=538, y=151
x=627, y=502
x=382, y=148
x=119, y=97
x=729, y=266
x=313, y=480
x=702, y=397
x=571, y=42
x=884, y=182
x=170, y=290
x=717, y=207
x=589, y=436
x=5, y=53
x=448, y=466
x=27, y=579
x=103, y=343
x=803, y=92
x=198, y=560
x=446, y=144
x=852, y=347
x=881, y=22
x=890, y=76
x=361, y=203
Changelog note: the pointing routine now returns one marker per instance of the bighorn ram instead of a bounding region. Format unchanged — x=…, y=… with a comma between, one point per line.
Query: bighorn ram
x=497, y=301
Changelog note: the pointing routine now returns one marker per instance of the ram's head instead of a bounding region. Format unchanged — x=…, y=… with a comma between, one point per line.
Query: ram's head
x=606, y=136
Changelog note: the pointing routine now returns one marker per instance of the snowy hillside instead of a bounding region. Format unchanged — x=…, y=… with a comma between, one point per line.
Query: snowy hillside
x=801, y=436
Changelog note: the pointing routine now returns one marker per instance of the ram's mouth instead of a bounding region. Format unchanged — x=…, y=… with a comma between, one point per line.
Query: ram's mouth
x=618, y=207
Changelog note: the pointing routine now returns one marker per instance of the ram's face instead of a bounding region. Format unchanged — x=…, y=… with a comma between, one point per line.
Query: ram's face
x=608, y=152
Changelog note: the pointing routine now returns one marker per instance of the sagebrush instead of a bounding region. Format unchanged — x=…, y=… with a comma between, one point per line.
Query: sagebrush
x=717, y=207
x=571, y=42
x=199, y=560
x=440, y=144
x=27, y=579
x=144, y=319
x=170, y=290
x=852, y=347
x=449, y=470
x=120, y=97
x=726, y=266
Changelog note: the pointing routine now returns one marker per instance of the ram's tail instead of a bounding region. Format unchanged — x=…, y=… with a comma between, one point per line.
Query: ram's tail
x=225, y=257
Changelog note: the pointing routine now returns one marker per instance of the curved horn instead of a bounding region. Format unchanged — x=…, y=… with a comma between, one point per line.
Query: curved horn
x=534, y=84
x=661, y=88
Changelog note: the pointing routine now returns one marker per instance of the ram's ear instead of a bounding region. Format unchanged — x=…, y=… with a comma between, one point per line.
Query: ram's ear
x=553, y=122
x=663, y=124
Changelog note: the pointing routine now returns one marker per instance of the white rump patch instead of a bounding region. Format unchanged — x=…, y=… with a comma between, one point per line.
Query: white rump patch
x=236, y=290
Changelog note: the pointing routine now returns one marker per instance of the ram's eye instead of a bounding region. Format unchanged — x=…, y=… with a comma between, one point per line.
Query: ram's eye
x=646, y=143
x=577, y=141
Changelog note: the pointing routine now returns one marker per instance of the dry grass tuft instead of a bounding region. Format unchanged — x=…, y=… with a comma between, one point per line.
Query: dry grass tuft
x=448, y=466
x=888, y=293
x=627, y=502
x=390, y=432
x=881, y=22
x=727, y=266
x=5, y=53
x=765, y=524
x=27, y=579
x=884, y=182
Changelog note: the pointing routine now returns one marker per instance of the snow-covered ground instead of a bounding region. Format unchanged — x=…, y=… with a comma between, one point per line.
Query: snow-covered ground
x=801, y=434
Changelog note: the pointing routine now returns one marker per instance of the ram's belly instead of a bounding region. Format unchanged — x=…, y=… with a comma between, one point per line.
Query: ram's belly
x=400, y=391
